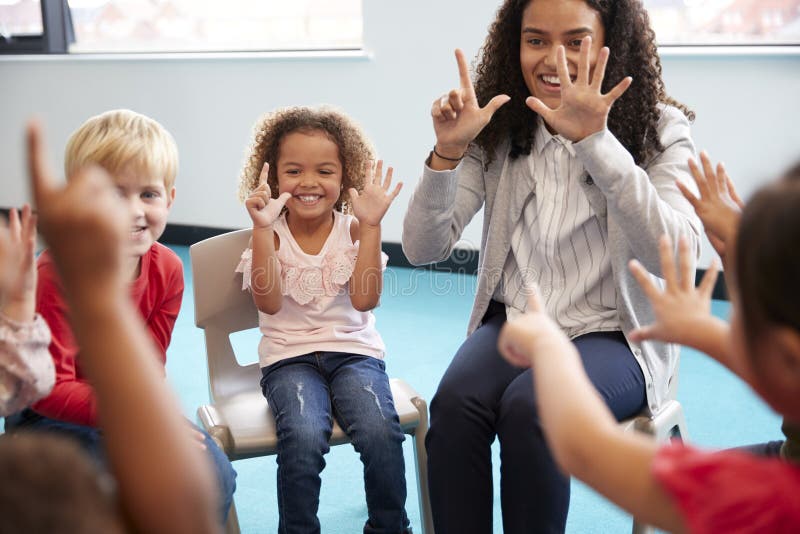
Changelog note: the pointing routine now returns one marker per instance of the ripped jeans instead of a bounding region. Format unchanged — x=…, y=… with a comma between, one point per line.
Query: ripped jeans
x=305, y=393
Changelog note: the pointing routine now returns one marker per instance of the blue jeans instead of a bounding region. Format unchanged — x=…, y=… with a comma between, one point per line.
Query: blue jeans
x=91, y=440
x=305, y=393
x=482, y=396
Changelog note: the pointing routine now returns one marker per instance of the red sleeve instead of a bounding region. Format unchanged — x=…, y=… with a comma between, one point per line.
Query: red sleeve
x=72, y=398
x=162, y=295
x=730, y=491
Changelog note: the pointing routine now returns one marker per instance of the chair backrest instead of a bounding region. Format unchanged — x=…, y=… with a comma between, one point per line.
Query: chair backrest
x=222, y=308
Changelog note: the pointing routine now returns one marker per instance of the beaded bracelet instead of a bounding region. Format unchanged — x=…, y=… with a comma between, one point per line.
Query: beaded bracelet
x=446, y=158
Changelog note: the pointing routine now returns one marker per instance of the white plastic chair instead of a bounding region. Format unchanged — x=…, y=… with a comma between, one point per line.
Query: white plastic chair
x=239, y=418
x=667, y=423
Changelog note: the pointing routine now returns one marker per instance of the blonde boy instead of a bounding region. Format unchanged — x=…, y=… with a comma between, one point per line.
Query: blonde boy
x=142, y=159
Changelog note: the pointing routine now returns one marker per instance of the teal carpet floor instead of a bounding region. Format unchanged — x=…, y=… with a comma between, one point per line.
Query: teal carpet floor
x=422, y=318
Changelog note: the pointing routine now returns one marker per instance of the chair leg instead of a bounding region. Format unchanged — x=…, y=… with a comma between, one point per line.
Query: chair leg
x=421, y=457
x=641, y=528
x=232, y=524
x=669, y=423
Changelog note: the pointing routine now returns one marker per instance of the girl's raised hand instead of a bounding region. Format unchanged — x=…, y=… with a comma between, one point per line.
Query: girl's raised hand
x=373, y=202
x=263, y=209
x=457, y=117
x=584, y=109
x=719, y=206
x=19, y=271
x=680, y=308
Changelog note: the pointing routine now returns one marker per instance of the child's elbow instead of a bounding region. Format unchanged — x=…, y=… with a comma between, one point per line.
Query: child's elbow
x=364, y=304
x=268, y=306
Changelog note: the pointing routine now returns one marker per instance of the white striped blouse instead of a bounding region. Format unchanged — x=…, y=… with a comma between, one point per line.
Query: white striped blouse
x=559, y=243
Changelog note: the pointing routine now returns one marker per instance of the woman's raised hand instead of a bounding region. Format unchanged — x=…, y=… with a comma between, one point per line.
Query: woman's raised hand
x=373, y=202
x=457, y=117
x=584, y=109
x=262, y=208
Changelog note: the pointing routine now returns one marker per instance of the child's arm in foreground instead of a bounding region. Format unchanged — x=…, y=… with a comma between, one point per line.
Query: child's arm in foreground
x=369, y=207
x=165, y=482
x=584, y=437
x=265, y=276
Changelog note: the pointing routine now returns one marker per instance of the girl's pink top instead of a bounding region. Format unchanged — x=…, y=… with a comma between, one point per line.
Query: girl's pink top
x=316, y=314
x=26, y=369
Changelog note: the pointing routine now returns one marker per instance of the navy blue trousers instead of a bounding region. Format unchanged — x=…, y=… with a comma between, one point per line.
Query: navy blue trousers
x=482, y=396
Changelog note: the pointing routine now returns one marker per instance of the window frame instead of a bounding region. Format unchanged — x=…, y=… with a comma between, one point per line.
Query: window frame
x=57, y=32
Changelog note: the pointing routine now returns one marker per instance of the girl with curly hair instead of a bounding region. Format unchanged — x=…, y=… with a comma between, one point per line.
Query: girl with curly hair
x=315, y=272
x=569, y=143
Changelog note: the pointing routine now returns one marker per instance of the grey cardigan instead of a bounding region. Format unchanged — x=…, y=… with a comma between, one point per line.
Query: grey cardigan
x=638, y=205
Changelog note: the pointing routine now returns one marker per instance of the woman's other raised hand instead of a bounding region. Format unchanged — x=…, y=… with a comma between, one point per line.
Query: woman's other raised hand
x=584, y=108
x=457, y=116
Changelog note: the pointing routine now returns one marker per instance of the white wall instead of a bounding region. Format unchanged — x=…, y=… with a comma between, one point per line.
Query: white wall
x=747, y=106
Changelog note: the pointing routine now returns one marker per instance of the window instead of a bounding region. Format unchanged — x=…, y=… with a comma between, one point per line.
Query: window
x=104, y=26
x=34, y=26
x=725, y=22
x=20, y=18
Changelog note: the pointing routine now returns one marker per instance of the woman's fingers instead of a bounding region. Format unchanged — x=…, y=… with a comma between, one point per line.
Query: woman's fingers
x=456, y=100
x=618, y=90
x=463, y=74
x=562, y=69
x=540, y=107
x=583, y=61
x=600, y=68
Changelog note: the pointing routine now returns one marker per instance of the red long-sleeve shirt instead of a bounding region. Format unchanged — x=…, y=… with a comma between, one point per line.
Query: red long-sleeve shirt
x=157, y=293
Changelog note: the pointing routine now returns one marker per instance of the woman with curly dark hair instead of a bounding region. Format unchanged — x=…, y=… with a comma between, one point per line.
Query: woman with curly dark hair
x=569, y=143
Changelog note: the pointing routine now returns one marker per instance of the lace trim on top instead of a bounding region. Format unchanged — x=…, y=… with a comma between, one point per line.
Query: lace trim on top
x=304, y=283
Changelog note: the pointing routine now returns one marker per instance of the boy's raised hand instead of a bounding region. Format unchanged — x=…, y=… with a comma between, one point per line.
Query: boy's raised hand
x=18, y=250
x=373, y=202
x=457, y=116
x=719, y=206
x=263, y=209
x=680, y=308
x=534, y=332
x=84, y=222
x=584, y=109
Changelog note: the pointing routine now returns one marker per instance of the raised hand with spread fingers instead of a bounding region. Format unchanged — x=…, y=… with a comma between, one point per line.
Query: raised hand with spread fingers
x=369, y=207
x=719, y=206
x=372, y=203
x=584, y=108
x=683, y=311
x=17, y=262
